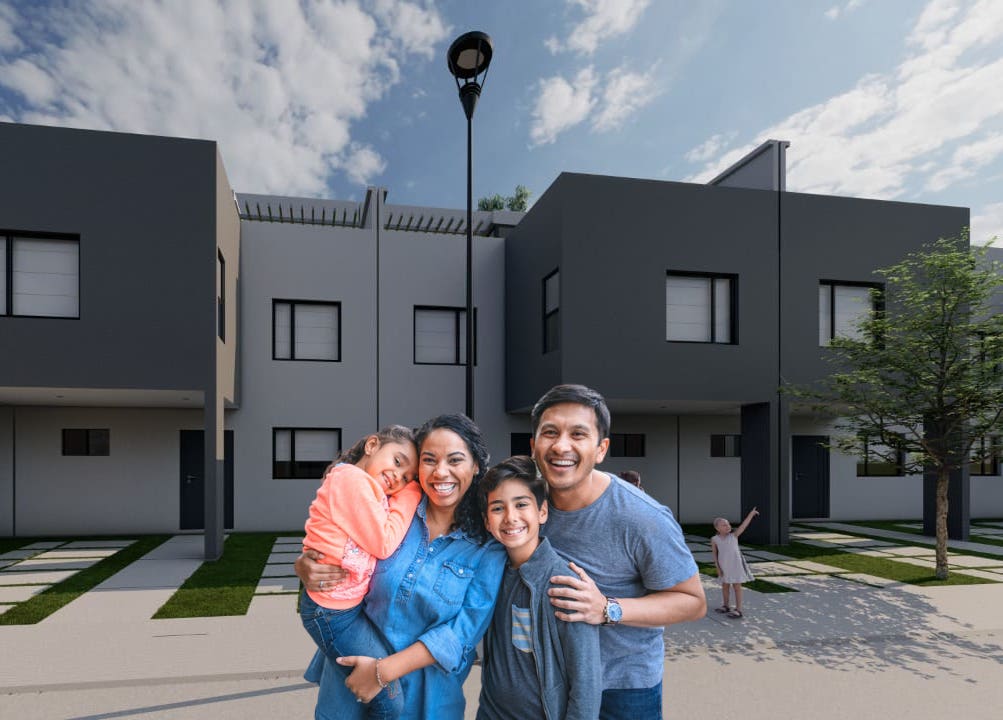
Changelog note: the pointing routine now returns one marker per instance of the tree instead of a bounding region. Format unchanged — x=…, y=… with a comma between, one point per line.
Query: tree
x=922, y=381
x=517, y=202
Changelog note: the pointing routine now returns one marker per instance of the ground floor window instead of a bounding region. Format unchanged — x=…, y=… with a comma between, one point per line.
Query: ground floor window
x=303, y=453
x=79, y=441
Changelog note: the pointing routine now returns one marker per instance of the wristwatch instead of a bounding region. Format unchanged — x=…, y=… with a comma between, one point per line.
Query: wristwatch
x=613, y=612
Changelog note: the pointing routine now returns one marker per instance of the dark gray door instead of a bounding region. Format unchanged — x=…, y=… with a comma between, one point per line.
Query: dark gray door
x=193, y=480
x=810, y=489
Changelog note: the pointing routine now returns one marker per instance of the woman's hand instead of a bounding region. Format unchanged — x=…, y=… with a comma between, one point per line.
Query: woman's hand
x=316, y=575
x=362, y=682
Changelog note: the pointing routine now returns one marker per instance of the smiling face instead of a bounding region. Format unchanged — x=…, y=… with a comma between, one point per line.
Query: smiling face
x=567, y=447
x=514, y=519
x=722, y=526
x=391, y=464
x=445, y=468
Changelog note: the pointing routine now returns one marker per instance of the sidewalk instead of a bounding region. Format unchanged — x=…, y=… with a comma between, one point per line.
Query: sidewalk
x=859, y=650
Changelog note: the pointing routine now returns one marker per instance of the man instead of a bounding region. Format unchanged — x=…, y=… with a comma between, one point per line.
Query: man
x=635, y=574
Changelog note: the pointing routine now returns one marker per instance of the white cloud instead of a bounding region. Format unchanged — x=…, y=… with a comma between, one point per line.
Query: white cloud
x=8, y=38
x=278, y=84
x=625, y=93
x=833, y=12
x=889, y=130
x=561, y=105
x=603, y=19
x=987, y=224
x=710, y=147
x=966, y=161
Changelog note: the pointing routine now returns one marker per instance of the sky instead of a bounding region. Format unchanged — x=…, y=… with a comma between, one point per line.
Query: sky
x=887, y=99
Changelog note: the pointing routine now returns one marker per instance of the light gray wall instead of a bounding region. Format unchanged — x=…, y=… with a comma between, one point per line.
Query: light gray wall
x=135, y=489
x=7, y=489
x=144, y=208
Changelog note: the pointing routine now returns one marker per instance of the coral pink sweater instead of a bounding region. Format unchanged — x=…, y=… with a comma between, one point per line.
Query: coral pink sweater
x=353, y=522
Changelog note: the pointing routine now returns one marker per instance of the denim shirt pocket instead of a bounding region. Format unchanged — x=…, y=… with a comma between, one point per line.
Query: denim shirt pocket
x=453, y=581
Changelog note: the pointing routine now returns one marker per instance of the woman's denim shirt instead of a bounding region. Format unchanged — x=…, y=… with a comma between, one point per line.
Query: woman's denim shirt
x=441, y=593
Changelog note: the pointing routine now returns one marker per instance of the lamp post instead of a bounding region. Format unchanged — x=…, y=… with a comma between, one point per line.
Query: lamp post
x=468, y=59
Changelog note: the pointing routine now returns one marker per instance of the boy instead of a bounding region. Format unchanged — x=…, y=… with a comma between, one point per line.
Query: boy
x=535, y=666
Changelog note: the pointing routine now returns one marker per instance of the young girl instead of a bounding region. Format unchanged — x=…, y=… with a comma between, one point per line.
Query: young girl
x=731, y=567
x=361, y=513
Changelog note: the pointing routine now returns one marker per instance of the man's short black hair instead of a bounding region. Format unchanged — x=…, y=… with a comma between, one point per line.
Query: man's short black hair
x=579, y=395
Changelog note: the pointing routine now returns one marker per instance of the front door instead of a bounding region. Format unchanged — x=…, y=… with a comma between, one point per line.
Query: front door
x=810, y=488
x=193, y=480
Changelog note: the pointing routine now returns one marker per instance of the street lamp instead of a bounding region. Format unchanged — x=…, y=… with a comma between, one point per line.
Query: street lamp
x=468, y=59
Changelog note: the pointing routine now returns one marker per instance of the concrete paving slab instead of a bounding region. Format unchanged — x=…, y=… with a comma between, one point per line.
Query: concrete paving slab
x=19, y=554
x=44, y=544
x=98, y=544
x=870, y=552
x=703, y=556
x=987, y=532
x=974, y=561
x=278, y=571
x=975, y=572
x=277, y=585
x=765, y=555
x=871, y=580
x=290, y=539
x=867, y=542
x=695, y=546
x=818, y=535
x=35, y=578
x=814, y=567
x=5, y=563
x=911, y=550
x=918, y=562
x=19, y=593
x=33, y=564
x=272, y=604
x=282, y=557
x=63, y=554
x=825, y=544
x=4, y=608
x=774, y=568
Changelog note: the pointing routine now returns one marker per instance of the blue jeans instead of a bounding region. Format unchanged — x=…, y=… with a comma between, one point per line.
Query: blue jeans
x=349, y=632
x=632, y=704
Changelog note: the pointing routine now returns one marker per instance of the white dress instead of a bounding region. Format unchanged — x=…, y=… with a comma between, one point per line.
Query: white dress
x=733, y=566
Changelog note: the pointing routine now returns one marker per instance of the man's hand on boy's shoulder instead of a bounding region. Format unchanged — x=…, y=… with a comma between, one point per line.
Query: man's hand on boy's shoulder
x=577, y=598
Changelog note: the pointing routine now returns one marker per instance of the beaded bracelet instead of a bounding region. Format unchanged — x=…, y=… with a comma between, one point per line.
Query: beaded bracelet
x=379, y=679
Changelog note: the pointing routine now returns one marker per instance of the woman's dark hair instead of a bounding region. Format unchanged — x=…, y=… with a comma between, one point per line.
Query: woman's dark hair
x=467, y=517
x=391, y=433
x=517, y=467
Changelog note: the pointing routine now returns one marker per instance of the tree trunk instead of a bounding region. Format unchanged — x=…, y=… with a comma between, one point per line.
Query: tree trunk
x=943, y=474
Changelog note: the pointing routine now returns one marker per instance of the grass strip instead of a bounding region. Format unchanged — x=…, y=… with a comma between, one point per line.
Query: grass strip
x=225, y=586
x=40, y=606
x=8, y=544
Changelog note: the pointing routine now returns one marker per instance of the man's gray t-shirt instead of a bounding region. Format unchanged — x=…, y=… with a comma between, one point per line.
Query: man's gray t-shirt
x=630, y=545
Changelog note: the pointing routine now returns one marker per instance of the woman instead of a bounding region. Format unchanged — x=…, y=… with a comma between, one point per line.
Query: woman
x=432, y=599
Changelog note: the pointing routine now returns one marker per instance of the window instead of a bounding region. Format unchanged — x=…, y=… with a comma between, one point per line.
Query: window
x=221, y=299
x=700, y=308
x=626, y=445
x=39, y=275
x=552, y=312
x=841, y=307
x=440, y=335
x=520, y=443
x=86, y=442
x=303, y=453
x=988, y=449
x=880, y=461
x=726, y=446
x=306, y=330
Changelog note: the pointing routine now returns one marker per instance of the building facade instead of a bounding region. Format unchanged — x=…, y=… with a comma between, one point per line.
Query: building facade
x=147, y=307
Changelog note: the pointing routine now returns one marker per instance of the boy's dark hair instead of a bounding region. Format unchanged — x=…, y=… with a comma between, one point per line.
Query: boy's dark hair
x=579, y=395
x=466, y=518
x=517, y=467
x=390, y=433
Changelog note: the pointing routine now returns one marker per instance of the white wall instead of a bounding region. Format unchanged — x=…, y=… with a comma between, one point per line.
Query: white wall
x=136, y=488
x=711, y=486
x=6, y=471
x=658, y=469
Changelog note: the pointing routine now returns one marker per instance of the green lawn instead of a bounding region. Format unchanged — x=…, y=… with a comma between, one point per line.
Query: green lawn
x=224, y=586
x=51, y=599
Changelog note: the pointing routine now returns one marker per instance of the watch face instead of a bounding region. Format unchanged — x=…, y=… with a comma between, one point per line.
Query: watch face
x=615, y=612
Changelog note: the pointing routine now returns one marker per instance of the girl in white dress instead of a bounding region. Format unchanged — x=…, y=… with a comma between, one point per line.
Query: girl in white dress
x=731, y=566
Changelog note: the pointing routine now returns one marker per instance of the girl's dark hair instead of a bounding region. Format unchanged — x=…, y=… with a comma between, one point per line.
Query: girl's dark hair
x=517, y=467
x=467, y=517
x=391, y=433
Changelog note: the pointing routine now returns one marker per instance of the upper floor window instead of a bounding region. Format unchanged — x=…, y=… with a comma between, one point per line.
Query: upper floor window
x=39, y=275
x=303, y=453
x=700, y=308
x=552, y=312
x=841, y=307
x=306, y=330
x=221, y=298
x=881, y=460
x=440, y=335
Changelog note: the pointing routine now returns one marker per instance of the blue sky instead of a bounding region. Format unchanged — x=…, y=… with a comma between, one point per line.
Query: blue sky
x=889, y=99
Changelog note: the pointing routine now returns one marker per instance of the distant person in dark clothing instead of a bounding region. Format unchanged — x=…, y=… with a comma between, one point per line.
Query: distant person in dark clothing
x=633, y=477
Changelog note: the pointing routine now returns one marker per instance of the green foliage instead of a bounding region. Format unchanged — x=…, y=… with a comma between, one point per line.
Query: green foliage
x=225, y=586
x=517, y=202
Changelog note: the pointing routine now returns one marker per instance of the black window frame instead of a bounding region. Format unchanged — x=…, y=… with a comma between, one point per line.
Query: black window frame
x=877, y=306
x=306, y=469
x=627, y=445
x=458, y=313
x=86, y=442
x=732, y=305
x=221, y=300
x=991, y=461
x=551, y=319
x=519, y=443
x=9, y=236
x=725, y=445
x=292, y=328
x=864, y=463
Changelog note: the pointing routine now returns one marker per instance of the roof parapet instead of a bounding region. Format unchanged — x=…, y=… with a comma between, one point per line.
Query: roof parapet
x=764, y=168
